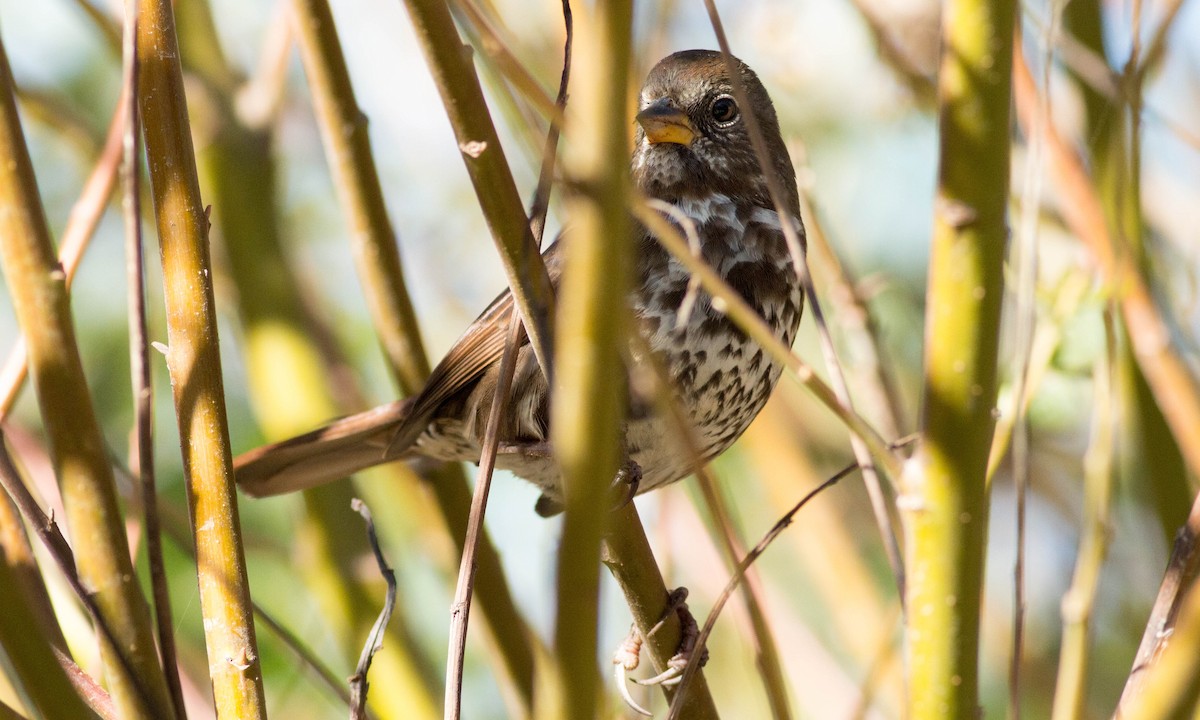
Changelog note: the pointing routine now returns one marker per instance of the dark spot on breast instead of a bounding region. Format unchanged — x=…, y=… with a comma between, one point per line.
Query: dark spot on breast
x=671, y=298
x=720, y=326
x=755, y=360
x=759, y=281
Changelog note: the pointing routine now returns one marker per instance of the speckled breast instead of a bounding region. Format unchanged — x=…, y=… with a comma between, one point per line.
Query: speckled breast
x=721, y=378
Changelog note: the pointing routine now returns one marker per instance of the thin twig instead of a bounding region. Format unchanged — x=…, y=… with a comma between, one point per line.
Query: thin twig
x=42, y=308
x=358, y=681
x=541, y=196
x=139, y=365
x=796, y=247
x=259, y=99
x=81, y=228
x=377, y=260
x=667, y=406
x=488, y=169
x=504, y=60
x=90, y=691
x=694, y=667
x=461, y=609
x=1025, y=261
x=60, y=551
x=897, y=58
x=860, y=332
x=742, y=315
x=103, y=23
x=178, y=533
x=1093, y=70
x=1170, y=380
x=1148, y=58
x=1078, y=602
x=194, y=364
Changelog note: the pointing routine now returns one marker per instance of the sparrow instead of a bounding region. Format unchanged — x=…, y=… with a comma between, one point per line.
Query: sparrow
x=693, y=151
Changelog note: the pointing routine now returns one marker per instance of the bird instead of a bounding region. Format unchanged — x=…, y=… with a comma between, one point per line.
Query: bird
x=693, y=151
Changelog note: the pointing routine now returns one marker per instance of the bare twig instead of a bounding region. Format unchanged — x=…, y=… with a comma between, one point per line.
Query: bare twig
x=485, y=161
x=795, y=243
x=358, y=681
x=1025, y=260
x=81, y=227
x=766, y=652
x=40, y=303
x=461, y=609
x=694, y=667
x=194, y=363
x=895, y=56
x=378, y=263
x=95, y=696
x=176, y=530
x=1142, y=61
x=506, y=61
x=1170, y=380
x=755, y=327
x=877, y=387
x=259, y=99
x=103, y=23
x=52, y=539
x=139, y=364
x=1070, y=691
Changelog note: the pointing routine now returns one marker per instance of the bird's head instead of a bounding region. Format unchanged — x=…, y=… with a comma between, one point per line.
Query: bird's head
x=692, y=138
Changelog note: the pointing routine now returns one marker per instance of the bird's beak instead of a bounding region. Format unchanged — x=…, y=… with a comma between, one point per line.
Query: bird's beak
x=664, y=123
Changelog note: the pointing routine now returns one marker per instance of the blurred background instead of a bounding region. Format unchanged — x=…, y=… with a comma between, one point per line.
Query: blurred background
x=867, y=146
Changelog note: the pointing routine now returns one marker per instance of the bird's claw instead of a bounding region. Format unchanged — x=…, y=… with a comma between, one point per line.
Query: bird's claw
x=627, y=657
x=625, y=484
x=625, y=660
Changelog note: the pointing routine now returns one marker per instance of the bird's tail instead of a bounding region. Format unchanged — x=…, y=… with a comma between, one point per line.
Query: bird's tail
x=341, y=448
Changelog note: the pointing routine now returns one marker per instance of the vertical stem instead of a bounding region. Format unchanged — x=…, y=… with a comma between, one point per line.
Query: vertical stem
x=38, y=288
x=194, y=363
x=589, y=399
x=449, y=62
x=347, y=147
x=139, y=362
x=1078, y=603
x=630, y=559
x=945, y=492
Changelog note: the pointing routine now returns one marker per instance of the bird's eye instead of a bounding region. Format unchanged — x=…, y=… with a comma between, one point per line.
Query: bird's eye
x=724, y=110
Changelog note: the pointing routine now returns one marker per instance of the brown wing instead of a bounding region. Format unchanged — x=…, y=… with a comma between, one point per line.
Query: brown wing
x=385, y=433
x=478, y=350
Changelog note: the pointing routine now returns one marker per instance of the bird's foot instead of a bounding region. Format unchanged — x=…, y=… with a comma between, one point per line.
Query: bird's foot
x=625, y=484
x=622, y=490
x=625, y=660
x=627, y=657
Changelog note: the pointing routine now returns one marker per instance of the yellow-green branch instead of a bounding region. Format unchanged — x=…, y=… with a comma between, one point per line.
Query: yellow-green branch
x=38, y=287
x=194, y=362
x=449, y=62
x=944, y=491
x=589, y=400
x=379, y=268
